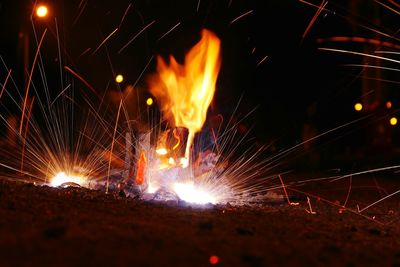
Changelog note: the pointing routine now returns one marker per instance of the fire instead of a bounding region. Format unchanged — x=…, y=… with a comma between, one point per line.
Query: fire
x=185, y=91
x=189, y=193
x=62, y=178
x=141, y=169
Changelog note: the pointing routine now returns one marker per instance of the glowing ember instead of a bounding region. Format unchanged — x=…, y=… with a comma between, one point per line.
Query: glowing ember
x=189, y=193
x=63, y=178
x=186, y=91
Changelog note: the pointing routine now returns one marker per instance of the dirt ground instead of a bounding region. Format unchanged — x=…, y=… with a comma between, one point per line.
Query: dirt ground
x=43, y=226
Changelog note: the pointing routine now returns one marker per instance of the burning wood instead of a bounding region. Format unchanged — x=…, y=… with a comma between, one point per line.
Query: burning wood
x=185, y=92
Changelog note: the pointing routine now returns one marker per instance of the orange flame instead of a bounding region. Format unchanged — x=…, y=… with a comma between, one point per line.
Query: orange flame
x=141, y=168
x=186, y=91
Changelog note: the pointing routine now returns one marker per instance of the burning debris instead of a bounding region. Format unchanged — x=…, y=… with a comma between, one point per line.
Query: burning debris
x=169, y=170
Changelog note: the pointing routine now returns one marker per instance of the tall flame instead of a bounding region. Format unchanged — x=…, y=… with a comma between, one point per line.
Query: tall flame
x=184, y=92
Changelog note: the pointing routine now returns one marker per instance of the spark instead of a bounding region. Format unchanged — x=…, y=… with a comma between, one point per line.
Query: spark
x=357, y=39
x=123, y=17
x=104, y=41
x=84, y=52
x=80, y=78
x=371, y=66
x=112, y=147
x=5, y=83
x=60, y=94
x=348, y=191
x=286, y=194
x=25, y=133
x=394, y=3
x=319, y=10
x=388, y=52
x=198, y=6
x=310, y=207
x=378, y=201
x=241, y=16
x=168, y=32
x=316, y=6
x=388, y=7
x=140, y=32
x=30, y=80
x=82, y=8
x=262, y=61
x=358, y=53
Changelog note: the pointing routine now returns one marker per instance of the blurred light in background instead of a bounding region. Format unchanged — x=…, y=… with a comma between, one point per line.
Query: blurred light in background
x=149, y=101
x=42, y=11
x=393, y=121
x=358, y=106
x=119, y=78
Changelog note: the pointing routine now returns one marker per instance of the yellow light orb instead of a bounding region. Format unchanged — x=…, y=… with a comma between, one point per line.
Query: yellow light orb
x=149, y=101
x=42, y=11
x=388, y=105
x=119, y=78
x=393, y=121
x=358, y=106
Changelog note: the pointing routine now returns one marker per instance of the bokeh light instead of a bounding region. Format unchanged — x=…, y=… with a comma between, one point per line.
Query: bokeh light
x=42, y=11
x=214, y=259
x=149, y=101
x=393, y=121
x=358, y=106
x=119, y=78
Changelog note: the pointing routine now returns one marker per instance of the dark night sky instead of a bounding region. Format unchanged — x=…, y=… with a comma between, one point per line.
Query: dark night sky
x=296, y=84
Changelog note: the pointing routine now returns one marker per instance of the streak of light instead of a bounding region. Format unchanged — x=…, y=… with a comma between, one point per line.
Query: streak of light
x=312, y=21
x=356, y=39
x=388, y=7
x=30, y=80
x=80, y=78
x=134, y=37
x=168, y=32
x=104, y=41
x=358, y=54
x=262, y=61
x=112, y=146
x=241, y=16
x=123, y=17
x=5, y=83
x=28, y=117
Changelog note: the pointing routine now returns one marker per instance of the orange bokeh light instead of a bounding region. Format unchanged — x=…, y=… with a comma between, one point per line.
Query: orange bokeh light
x=42, y=11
